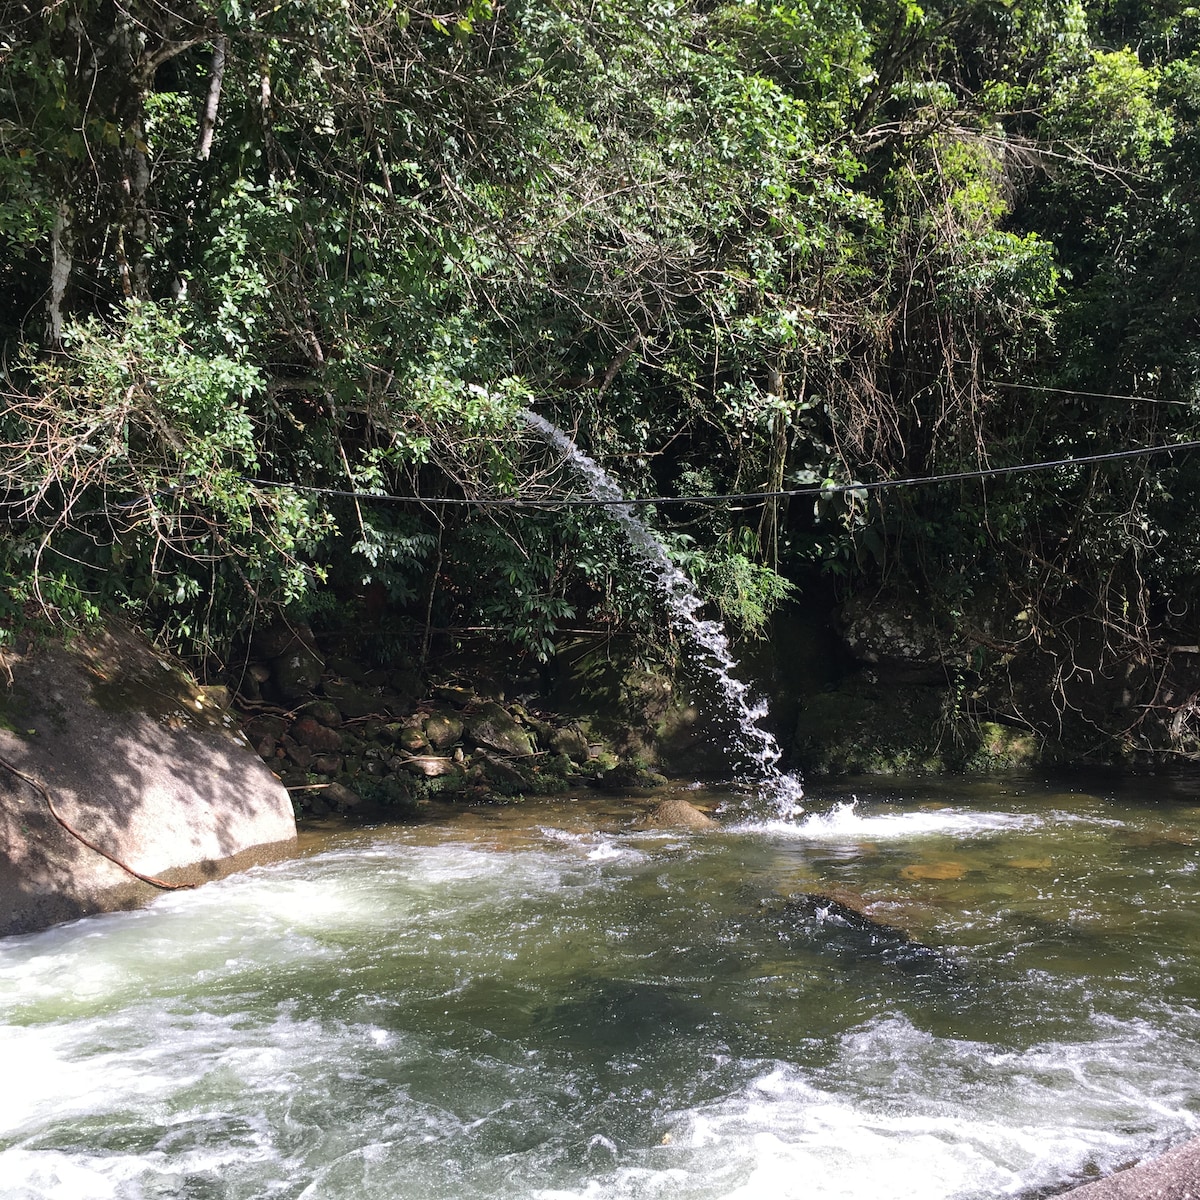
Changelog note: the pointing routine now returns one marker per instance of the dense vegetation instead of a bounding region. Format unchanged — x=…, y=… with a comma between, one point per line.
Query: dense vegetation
x=248, y=252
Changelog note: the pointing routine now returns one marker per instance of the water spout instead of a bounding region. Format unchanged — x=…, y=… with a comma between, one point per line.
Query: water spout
x=760, y=750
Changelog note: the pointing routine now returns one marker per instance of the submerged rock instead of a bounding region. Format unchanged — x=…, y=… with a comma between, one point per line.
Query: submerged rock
x=843, y=927
x=679, y=814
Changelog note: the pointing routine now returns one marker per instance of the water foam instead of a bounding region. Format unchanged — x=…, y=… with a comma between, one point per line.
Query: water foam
x=470, y=1038
x=846, y=821
x=914, y=1117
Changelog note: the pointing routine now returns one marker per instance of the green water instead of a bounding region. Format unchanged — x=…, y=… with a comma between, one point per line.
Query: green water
x=547, y=1001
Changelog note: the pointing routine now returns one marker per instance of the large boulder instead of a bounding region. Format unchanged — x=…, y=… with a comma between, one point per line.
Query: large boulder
x=897, y=636
x=1174, y=1175
x=572, y=743
x=109, y=751
x=495, y=727
x=295, y=663
x=297, y=672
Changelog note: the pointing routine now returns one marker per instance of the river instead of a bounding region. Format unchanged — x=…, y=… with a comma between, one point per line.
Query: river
x=545, y=1001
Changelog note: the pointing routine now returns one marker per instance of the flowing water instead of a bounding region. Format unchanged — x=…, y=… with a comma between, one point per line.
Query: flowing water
x=547, y=1001
x=708, y=639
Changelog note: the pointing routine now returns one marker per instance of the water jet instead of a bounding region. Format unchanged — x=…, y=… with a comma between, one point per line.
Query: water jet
x=707, y=636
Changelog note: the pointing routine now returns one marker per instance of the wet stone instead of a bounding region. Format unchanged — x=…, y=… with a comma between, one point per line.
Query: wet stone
x=337, y=795
x=308, y=731
x=630, y=775
x=443, y=728
x=324, y=711
x=679, y=814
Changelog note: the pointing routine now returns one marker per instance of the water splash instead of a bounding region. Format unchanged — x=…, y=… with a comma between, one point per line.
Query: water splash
x=760, y=750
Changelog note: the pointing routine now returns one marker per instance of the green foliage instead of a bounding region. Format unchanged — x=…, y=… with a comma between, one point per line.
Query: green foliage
x=126, y=480
x=1110, y=109
x=731, y=246
x=745, y=591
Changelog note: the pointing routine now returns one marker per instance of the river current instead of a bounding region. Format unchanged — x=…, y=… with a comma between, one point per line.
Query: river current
x=545, y=1001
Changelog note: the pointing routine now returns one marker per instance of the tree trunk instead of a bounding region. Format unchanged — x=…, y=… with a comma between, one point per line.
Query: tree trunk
x=212, y=101
x=62, y=240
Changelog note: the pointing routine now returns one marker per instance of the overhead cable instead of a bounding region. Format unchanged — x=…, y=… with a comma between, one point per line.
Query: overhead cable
x=832, y=489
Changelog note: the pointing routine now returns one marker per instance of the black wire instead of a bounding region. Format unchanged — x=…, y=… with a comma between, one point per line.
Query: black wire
x=816, y=490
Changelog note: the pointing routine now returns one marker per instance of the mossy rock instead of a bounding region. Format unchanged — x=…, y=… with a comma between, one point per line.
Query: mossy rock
x=443, y=728
x=571, y=744
x=412, y=739
x=864, y=728
x=871, y=727
x=297, y=673
x=352, y=699
x=495, y=727
x=1002, y=748
x=631, y=776
x=324, y=711
x=677, y=813
x=502, y=775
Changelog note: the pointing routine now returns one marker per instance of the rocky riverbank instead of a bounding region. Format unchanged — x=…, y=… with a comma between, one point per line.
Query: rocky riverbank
x=345, y=736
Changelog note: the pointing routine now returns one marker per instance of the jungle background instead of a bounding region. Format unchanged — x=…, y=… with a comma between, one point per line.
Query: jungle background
x=278, y=280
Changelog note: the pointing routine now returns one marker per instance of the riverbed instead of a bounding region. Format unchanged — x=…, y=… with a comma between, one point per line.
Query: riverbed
x=930, y=991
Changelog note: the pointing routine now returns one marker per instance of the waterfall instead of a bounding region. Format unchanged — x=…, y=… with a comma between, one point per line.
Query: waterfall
x=683, y=603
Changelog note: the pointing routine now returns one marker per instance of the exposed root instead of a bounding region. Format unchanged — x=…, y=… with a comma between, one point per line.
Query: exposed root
x=152, y=880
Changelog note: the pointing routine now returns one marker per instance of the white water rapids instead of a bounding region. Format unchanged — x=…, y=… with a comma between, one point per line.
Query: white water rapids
x=543, y=1003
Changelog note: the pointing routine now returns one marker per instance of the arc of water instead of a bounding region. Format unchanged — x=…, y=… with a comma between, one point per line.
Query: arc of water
x=683, y=607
